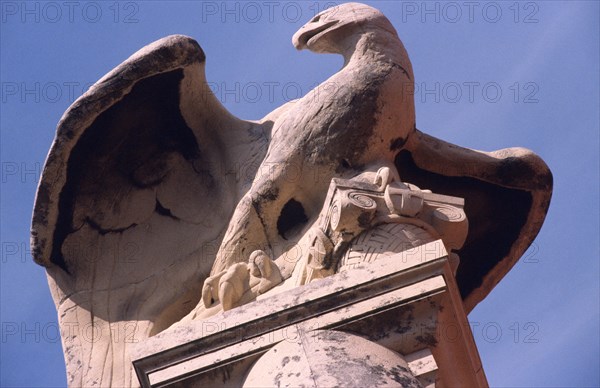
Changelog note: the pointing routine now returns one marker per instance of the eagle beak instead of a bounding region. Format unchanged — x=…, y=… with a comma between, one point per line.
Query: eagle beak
x=301, y=38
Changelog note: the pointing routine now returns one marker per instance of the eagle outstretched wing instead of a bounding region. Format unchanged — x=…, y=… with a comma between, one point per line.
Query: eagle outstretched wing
x=507, y=194
x=137, y=190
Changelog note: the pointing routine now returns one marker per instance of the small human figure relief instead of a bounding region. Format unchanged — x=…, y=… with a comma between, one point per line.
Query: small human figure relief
x=371, y=215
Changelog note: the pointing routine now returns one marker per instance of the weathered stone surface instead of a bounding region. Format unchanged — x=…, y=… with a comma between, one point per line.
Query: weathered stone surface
x=137, y=205
x=370, y=216
x=327, y=358
x=372, y=297
x=407, y=303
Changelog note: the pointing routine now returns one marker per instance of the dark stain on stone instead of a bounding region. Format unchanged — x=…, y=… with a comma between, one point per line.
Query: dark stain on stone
x=291, y=218
x=269, y=195
x=403, y=376
x=295, y=315
x=427, y=339
x=397, y=143
x=364, y=220
x=333, y=335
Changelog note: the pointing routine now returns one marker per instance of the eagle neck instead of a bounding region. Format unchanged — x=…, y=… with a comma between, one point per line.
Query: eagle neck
x=374, y=46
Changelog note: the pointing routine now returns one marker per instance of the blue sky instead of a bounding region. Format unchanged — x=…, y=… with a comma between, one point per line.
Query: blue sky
x=489, y=75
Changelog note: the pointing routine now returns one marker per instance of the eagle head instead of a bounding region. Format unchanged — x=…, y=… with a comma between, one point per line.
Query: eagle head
x=335, y=30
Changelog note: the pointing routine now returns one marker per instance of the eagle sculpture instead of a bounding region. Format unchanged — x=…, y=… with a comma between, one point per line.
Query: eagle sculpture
x=139, y=202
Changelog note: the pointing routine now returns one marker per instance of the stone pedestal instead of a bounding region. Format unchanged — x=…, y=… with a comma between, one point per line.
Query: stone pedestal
x=398, y=321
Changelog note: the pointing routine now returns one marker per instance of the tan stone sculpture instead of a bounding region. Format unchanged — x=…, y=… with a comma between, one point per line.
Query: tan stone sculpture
x=353, y=210
x=141, y=221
